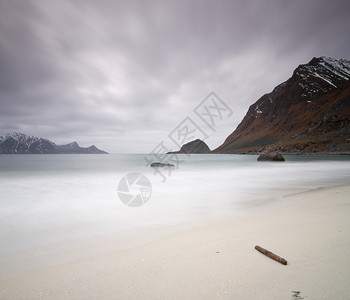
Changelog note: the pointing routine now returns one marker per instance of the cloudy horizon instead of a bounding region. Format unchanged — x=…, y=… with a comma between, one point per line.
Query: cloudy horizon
x=122, y=75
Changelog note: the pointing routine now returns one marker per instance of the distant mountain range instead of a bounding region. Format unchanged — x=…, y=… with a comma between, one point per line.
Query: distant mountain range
x=18, y=143
x=308, y=113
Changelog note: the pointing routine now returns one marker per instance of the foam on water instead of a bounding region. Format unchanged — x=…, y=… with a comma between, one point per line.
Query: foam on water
x=53, y=198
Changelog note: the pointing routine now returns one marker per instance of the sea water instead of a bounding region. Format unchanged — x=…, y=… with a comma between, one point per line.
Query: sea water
x=56, y=198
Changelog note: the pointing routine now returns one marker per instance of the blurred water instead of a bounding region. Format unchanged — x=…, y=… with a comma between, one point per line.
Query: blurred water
x=54, y=198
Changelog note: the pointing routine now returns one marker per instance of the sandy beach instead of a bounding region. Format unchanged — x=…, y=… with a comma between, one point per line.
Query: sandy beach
x=208, y=260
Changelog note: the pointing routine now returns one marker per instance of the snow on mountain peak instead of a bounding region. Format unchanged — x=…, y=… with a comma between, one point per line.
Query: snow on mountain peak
x=339, y=67
x=15, y=142
x=73, y=145
x=322, y=74
x=17, y=136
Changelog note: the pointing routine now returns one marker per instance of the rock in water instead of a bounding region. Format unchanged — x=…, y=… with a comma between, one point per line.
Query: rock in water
x=272, y=156
x=161, y=165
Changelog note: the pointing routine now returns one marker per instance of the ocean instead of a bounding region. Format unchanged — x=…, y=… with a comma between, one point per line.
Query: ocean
x=47, y=199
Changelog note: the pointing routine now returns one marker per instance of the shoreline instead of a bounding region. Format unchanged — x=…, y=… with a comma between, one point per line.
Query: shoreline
x=215, y=259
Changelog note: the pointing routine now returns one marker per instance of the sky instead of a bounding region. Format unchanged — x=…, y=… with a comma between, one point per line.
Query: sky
x=137, y=76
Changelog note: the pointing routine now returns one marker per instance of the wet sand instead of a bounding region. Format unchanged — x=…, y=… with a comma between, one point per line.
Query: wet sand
x=207, y=260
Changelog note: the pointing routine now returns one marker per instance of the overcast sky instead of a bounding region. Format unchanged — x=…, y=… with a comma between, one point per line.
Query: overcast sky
x=123, y=75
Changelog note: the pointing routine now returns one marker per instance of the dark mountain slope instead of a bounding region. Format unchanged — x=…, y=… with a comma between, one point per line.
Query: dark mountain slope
x=308, y=113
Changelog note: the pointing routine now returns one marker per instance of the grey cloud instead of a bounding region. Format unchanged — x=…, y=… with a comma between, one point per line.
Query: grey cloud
x=111, y=72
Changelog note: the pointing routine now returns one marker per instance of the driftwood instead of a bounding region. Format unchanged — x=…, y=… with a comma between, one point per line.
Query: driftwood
x=271, y=255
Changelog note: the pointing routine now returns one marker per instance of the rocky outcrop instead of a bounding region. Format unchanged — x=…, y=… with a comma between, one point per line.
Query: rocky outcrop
x=18, y=143
x=161, y=165
x=308, y=113
x=195, y=147
x=271, y=156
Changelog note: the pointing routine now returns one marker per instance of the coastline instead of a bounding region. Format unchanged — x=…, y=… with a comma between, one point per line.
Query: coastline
x=212, y=260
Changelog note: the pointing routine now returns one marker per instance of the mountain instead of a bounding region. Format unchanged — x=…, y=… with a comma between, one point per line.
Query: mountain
x=18, y=143
x=196, y=146
x=308, y=113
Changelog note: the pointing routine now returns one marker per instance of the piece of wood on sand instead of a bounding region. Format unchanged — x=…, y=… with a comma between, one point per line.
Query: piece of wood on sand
x=271, y=255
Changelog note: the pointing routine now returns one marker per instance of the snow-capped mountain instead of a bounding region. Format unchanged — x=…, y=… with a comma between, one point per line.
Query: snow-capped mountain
x=310, y=112
x=322, y=75
x=19, y=143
